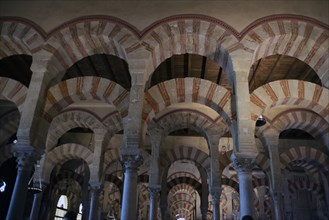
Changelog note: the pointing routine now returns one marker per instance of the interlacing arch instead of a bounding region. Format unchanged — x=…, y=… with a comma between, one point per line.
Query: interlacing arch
x=85, y=88
x=307, y=154
x=187, y=89
x=185, y=153
x=68, y=120
x=192, y=34
x=13, y=91
x=290, y=92
x=296, y=36
x=86, y=36
x=63, y=153
x=19, y=36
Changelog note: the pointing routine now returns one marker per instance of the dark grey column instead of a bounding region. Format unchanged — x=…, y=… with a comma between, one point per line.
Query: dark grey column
x=244, y=168
x=215, y=199
x=154, y=200
x=131, y=160
x=94, y=200
x=26, y=157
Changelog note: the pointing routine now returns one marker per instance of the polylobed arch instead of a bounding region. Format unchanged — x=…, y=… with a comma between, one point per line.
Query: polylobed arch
x=63, y=153
x=101, y=35
x=195, y=34
x=14, y=91
x=293, y=36
x=305, y=153
x=187, y=90
x=85, y=88
x=19, y=36
x=290, y=92
x=68, y=120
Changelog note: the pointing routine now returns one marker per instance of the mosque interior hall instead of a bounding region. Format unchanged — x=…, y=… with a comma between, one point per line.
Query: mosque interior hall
x=164, y=110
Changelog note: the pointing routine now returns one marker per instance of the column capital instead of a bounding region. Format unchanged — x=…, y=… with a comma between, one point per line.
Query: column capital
x=26, y=157
x=154, y=190
x=131, y=157
x=95, y=186
x=243, y=164
x=215, y=194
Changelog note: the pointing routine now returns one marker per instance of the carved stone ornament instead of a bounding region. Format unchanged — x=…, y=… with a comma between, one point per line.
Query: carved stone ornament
x=131, y=158
x=26, y=157
x=243, y=164
x=154, y=191
x=215, y=195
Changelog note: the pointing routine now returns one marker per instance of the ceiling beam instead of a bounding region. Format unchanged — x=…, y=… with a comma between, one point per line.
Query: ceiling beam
x=270, y=74
x=108, y=65
x=93, y=67
x=291, y=68
x=186, y=65
x=253, y=75
x=168, y=68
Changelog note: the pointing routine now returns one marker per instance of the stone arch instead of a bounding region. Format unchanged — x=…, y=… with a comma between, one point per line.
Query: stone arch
x=110, y=156
x=186, y=180
x=69, y=119
x=87, y=36
x=13, y=91
x=305, y=153
x=187, y=90
x=63, y=153
x=303, y=38
x=231, y=183
x=19, y=36
x=195, y=34
x=85, y=88
x=113, y=122
x=186, y=153
x=290, y=92
x=263, y=162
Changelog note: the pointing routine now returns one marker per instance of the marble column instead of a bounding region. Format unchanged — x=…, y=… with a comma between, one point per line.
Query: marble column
x=37, y=198
x=26, y=157
x=244, y=168
x=163, y=208
x=277, y=201
x=215, y=199
x=204, y=211
x=154, y=200
x=94, y=200
x=131, y=160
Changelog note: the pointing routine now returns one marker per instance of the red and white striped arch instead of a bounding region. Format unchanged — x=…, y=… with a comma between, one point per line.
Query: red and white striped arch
x=304, y=153
x=85, y=88
x=290, y=92
x=192, y=34
x=87, y=36
x=13, y=91
x=188, y=89
x=293, y=36
x=111, y=156
x=19, y=37
x=68, y=120
x=190, y=118
x=63, y=153
x=113, y=122
x=185, y=153
x=304, y=120
x=231, y=183
x=306, y=184
x=263, y=162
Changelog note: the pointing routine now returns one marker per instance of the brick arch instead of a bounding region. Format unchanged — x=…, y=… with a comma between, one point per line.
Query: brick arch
x=190, y=118
x=296, y=36
x=63, y=153
x=257, y=182
x=113, y=122
x=195, y=34
x=306, y=184
x=13, y=91
x=187, y=89
x=19, y=36
x=111, y=156
x=308, y=154
x=263, y=162
x=68, y=120
x=85, y=88
x=185, y=180
x=304, y=120
x=86, y=36
x=231, y=183
x=185, y=153
x=224, y=159
x=290, y=92
x=8, y=126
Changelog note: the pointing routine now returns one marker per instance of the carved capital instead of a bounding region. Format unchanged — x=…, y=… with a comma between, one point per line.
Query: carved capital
x=26, y=157
x=95, y=186
x=243, y=164
x=154, y=191
x=215, y=195
x=131, y=158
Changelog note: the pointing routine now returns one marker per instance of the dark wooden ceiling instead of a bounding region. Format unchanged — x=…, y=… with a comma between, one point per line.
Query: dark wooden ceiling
x=101, y=65
x=279, y=67
x=17, y=67
x=190, y=65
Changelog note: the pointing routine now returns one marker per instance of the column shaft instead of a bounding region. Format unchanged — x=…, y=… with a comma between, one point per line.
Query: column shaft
x=36, y=206
x=246, y=194
x=154, y=198
x=94, y=199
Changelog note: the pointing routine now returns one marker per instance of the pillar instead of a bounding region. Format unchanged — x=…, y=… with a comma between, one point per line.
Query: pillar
x=94, y=200
x=277, y=201
x=204, y=211
x=154, y=200
x=244, y=168
x=37, y=198
x=26, y=157
x=131, y=160
x=215, y=199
